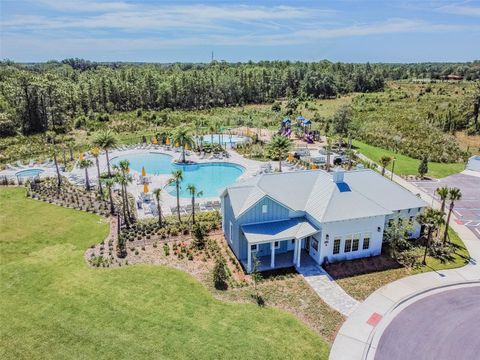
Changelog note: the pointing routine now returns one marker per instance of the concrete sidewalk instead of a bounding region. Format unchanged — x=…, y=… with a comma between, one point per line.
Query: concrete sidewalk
x=357, y=334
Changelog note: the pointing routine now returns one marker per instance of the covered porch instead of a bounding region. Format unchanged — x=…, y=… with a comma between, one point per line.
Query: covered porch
x=277, y=244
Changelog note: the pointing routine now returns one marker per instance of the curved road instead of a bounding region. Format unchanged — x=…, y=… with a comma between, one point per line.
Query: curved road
x=441, y=326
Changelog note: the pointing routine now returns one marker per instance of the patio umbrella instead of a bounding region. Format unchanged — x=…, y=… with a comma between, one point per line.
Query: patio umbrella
x=290, y=157
x=177, y=144
x=145, y=188
x=167, y=142
x=81, y=156
x=187, y=147
x=144, y=173
x=154, y=141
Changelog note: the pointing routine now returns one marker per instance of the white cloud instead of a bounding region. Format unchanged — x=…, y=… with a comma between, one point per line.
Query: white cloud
x=458, y=9
x=85, y=5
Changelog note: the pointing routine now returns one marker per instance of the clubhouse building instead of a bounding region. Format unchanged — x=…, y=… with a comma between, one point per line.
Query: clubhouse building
x=342, y=215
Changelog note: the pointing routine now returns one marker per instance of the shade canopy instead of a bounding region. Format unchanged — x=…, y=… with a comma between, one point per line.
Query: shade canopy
x=145, y=188
x=300, y=118
x=307, y=122
x=286, y=121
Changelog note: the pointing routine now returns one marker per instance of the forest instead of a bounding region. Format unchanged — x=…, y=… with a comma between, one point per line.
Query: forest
x=78, y=94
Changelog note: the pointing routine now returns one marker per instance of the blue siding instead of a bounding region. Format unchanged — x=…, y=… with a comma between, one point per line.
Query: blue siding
x=239, y=244
x=228, y=217
x=275, y=211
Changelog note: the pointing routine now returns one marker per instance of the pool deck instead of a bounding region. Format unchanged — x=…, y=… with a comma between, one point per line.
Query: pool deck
x=160, y=181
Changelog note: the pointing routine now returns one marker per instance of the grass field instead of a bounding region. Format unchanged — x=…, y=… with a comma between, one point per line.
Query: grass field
x=405, y=165
x=54, y=306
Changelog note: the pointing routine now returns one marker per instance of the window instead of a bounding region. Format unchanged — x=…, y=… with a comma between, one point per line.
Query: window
x=315, y=244
x=348, y=245
x=366, y=242
x=230, y=234
x=264, y=209
x=277, y=245
x=355, y=242
x=254, y=247
x=336, y=246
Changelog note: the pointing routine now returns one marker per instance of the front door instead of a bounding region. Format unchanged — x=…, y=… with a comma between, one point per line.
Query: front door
x=307, y=243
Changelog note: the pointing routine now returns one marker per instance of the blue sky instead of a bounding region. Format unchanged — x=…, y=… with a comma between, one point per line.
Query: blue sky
x=187, y=31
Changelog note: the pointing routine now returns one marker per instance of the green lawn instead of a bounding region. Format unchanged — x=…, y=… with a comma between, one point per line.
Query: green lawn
x=54, y=306
x=405, y=165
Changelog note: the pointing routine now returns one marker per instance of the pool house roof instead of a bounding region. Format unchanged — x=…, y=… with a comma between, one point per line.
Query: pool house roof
x=341, y=195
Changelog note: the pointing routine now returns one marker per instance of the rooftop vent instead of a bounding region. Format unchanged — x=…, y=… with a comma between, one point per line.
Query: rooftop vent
x=337, y=176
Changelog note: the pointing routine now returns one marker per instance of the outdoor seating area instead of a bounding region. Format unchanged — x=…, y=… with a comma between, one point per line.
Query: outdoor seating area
x=207, y=206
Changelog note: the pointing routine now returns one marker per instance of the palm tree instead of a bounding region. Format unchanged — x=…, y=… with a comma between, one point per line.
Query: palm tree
x=431, y=219
x=177, y=177
x=124, y=167
x=95, y=151
x=384, y=161
x=183, y=137
x=442, y=192
x=85, y=164
x=54, y=154
x=329, y=150
x=193, y=191
x=109, y=183
x=454, y=194
x=157, y=192
x=105, y=140
x=280, y=145
x=124, y=180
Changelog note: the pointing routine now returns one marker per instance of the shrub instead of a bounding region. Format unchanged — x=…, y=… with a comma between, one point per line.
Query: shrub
x=220, y=276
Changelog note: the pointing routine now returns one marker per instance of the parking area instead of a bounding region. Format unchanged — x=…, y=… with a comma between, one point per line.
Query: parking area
x=467, y=210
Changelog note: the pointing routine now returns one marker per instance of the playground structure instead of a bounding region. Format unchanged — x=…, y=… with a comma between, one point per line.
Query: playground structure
x=303, y=125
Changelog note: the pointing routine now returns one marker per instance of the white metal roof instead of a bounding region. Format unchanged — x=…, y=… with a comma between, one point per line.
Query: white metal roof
x=363, y=193
x=297, y=228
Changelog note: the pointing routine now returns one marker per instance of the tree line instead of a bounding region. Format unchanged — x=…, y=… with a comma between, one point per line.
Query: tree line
x=35, y=98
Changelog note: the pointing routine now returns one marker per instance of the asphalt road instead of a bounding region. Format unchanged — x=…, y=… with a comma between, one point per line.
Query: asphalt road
x=443, y=326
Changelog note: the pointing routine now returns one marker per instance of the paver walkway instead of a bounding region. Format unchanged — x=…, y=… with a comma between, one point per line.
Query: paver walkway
x=328, y=290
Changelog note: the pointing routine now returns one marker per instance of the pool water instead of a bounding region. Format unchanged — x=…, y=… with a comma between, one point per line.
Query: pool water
x=29, y=172
x=225, y=140
x=154, y=163
x=210, y=178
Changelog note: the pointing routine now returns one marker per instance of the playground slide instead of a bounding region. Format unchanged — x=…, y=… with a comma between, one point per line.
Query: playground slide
x=309, y=138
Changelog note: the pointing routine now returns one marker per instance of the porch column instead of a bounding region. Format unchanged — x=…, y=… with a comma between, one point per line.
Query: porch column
x=272, y=256
x=295, y=252
x=249, y=258
x=299, y=253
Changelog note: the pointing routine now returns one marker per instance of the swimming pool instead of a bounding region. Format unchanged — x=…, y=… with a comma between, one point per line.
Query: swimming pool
x=225, y=139
x=154, y=163
x=29, y=172
x=211, y=178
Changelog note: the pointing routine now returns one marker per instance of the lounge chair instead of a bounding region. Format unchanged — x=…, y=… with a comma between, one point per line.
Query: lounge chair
x=19, y=164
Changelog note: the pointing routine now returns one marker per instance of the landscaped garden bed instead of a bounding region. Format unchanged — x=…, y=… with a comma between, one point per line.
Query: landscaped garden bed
x=175, y=246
